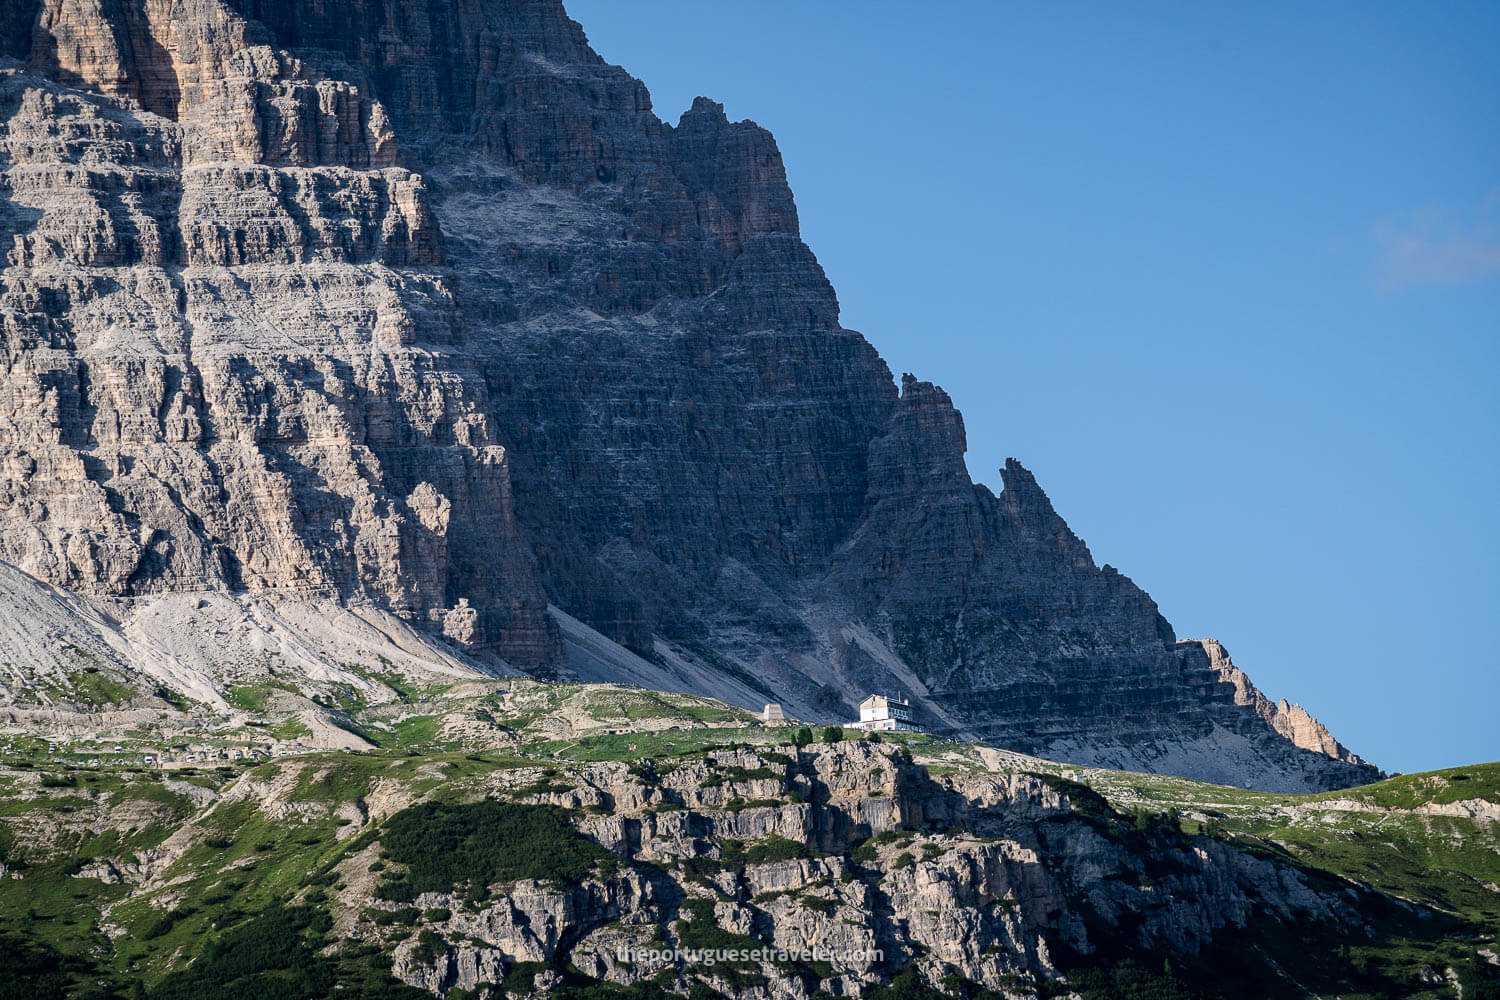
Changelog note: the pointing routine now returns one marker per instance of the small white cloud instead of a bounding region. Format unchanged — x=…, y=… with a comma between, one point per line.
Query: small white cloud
x=1433, y=248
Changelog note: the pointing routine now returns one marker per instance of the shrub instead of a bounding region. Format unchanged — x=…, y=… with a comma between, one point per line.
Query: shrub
x=736, y=804
x=429, y=947
x=395, y=891
x=731, y=852
x=274, y=954
x=171, y=697
x=699, y=930
x=1129, y=980
x=542, y=786
x=445, y=845
x=165, y=923
x=802, y=737
x=520, y=978
x=833, y=734
x=407, y=915
x=775, y=848
x=907, y=985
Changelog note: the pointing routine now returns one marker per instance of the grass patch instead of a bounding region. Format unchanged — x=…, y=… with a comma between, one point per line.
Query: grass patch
x=343, y=781
x=638, y=706
x=290, y=729
x=418, y=730
x=94, y=687
x=1407, y=791
x=664, y=743
x=252, y=697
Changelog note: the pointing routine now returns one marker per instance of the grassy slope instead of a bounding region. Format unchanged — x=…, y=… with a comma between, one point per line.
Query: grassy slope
x=1383, y=834
x=241, y=862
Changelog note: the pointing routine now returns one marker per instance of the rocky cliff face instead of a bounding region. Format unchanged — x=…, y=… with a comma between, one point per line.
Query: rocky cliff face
x=230, y=345
x=420, y=306
x=996, y=878
x=979, y=880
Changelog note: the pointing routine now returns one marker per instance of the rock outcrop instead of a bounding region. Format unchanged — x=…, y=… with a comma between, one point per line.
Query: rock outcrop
x=1291, y=721
x=980, y=879
x=420, y=306
x=764, y=871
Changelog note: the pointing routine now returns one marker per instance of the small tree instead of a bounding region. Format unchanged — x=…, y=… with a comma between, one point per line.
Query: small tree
x=833, y=734
x=1142, y=817
x=802, y=737
x=874, y=737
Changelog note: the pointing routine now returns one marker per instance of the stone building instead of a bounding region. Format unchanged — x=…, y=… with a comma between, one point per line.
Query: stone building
x=879, y=713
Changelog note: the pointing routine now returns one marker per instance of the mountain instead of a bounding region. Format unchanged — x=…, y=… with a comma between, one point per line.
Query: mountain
x=597, y=842
x=337, y=331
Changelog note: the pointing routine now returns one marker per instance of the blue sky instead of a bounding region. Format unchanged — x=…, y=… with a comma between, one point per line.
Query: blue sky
x=1226, y=278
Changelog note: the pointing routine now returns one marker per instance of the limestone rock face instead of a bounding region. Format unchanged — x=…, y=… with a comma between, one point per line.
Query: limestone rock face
x=978, y=876
x=420, y=305
x=226, y=371
x=1291, y=721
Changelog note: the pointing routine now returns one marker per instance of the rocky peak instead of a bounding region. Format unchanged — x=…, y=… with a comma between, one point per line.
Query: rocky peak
x=1291, y=721
x=922, y=452
x=734, y=174
x=1030, y=511
x=418, y=306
